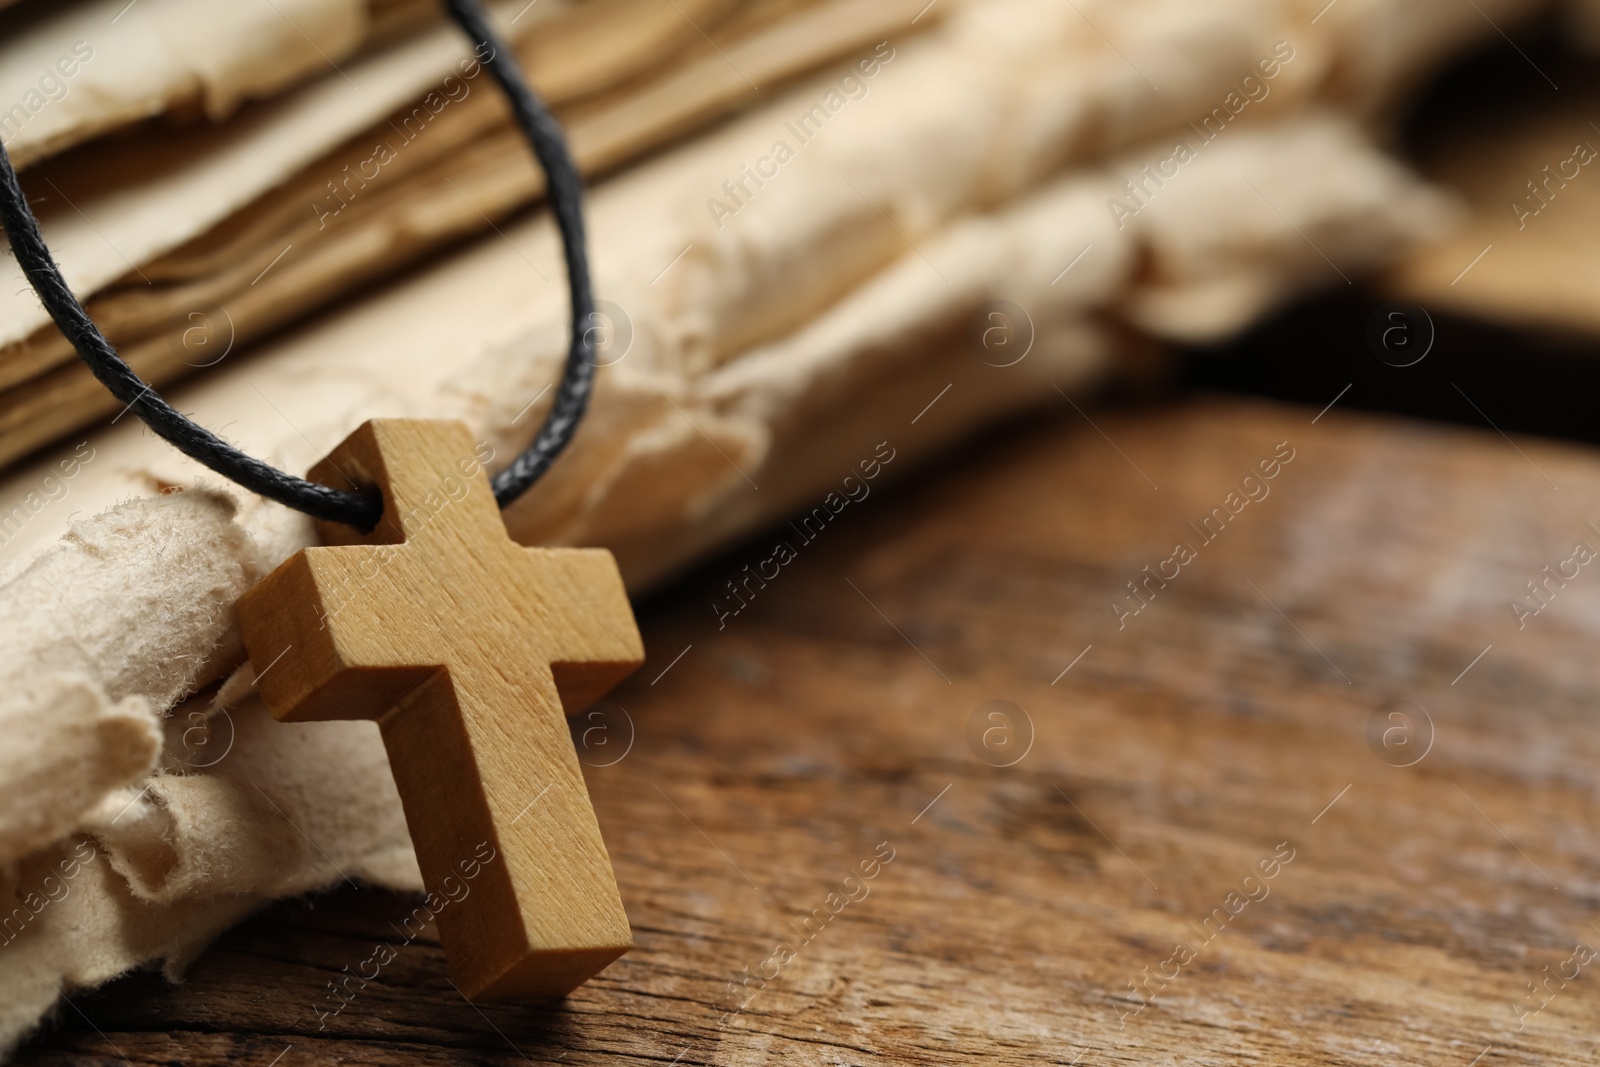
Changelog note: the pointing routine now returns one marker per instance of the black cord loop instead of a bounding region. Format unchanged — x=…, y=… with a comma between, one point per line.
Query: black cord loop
x=361, y=510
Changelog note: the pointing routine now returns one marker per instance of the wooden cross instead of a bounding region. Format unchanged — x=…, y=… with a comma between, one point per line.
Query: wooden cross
x=465, y=647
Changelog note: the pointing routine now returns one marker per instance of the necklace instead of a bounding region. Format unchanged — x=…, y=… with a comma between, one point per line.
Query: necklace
x=418, y=611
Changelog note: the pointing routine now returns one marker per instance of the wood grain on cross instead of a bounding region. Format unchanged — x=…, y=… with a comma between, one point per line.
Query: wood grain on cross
x=465, y=647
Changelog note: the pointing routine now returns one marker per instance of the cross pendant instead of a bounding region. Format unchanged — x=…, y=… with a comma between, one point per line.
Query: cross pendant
x=466, y=648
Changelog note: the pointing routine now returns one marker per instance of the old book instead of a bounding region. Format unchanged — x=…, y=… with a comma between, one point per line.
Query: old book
x=205, y=238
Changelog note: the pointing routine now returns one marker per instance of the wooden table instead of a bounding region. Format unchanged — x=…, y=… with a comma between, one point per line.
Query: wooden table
x=1222, y=728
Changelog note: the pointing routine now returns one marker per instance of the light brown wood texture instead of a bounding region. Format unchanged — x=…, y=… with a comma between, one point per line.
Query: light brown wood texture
x=779, y=752
x=465, y=647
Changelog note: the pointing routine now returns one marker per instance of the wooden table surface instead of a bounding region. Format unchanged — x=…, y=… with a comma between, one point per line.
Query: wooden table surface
x=1207, y=855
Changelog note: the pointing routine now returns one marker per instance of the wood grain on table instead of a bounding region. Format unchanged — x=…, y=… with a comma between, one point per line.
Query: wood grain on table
x=1208, y=855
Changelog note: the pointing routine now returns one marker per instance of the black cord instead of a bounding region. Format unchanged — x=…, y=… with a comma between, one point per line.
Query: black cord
x=361, y=510
x=566, y=201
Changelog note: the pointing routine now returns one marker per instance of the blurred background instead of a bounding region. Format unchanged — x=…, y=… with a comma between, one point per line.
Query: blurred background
x=1525, y=326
